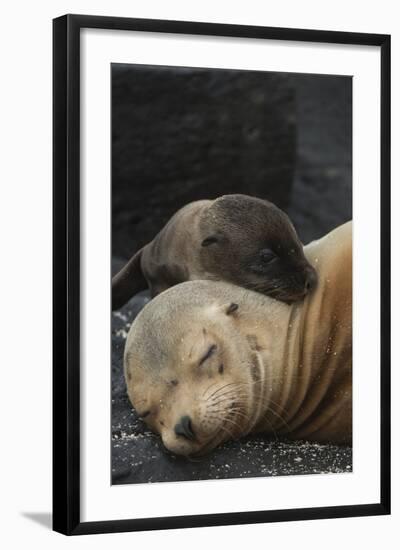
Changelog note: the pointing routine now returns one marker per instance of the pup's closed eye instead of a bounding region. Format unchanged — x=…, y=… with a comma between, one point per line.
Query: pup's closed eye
x=209, y=240
x=266, y=255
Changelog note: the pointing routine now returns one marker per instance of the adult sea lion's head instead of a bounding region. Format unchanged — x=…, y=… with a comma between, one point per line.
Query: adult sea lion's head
x=252, y=243
x=191, y=372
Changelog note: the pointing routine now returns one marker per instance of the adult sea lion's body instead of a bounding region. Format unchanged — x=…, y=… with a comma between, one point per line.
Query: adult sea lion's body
x=206, y=361
x=236, y=238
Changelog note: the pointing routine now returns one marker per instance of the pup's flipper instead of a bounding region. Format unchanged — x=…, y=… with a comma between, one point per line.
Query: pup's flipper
x=129, y=281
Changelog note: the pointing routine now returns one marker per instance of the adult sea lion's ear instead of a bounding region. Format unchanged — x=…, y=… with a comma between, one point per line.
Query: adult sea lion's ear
x=231, y=309
x=128, y=281
x=228, y=308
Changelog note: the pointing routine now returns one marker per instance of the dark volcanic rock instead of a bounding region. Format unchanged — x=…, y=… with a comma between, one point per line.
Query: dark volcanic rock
x=182, y=134
x=322, y=191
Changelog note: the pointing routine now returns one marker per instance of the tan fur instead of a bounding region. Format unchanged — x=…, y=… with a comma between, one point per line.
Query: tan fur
x=286, y=369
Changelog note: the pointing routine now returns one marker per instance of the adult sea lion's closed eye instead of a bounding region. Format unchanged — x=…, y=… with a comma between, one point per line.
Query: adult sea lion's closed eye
x=211, y=350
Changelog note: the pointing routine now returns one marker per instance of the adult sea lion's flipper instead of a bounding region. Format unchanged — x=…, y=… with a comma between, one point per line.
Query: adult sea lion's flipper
x=129, y=281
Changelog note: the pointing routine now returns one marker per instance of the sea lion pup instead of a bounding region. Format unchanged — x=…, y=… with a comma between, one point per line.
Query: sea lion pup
x=235, y=238
x=208, y=361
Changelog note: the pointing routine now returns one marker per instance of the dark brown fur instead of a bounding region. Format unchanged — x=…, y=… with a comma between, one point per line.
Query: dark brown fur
x=235, y=238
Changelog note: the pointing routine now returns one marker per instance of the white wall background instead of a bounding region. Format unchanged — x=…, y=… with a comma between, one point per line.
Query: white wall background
x=25, y=299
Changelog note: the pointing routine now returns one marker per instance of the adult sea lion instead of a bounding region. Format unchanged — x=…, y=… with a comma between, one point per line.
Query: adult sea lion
x=208, y=361
x=235, y=238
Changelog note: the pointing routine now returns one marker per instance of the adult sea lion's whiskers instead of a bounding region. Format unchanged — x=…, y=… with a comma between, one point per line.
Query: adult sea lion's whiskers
x=222, y=426
x=272, y=428
x=269, y=400
x=221, y=388
x=225, y=429
x=238, y=393
x=217, y=393
x=280, y=417
x=209, y=387
x=228, y=410
x=232, y=396
x=236, y=384
x=282, y=409
x=232, y=391
x=236, y=412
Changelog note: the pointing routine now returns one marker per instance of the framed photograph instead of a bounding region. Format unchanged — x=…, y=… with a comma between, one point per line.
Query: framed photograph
x=221, y=274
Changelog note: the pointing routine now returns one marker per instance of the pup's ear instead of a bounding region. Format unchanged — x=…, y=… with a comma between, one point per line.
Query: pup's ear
x=128, y=281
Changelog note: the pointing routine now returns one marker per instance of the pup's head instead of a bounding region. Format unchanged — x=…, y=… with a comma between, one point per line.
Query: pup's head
x=252, y=243
x=191, y=373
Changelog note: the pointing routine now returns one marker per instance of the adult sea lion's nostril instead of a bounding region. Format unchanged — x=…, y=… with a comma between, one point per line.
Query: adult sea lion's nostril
x=184, y=428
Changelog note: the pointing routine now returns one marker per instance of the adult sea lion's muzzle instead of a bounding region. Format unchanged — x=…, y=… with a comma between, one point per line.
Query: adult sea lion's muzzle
x=184, y=428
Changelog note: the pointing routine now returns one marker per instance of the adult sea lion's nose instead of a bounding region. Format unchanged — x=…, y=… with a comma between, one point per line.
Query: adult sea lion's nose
x=184, y=428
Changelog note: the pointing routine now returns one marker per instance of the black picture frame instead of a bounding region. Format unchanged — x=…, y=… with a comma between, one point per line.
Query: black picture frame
x=66, y=273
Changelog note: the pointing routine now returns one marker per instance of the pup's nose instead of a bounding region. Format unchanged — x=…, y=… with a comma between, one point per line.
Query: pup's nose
x=311, y=280
x=184, y=428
